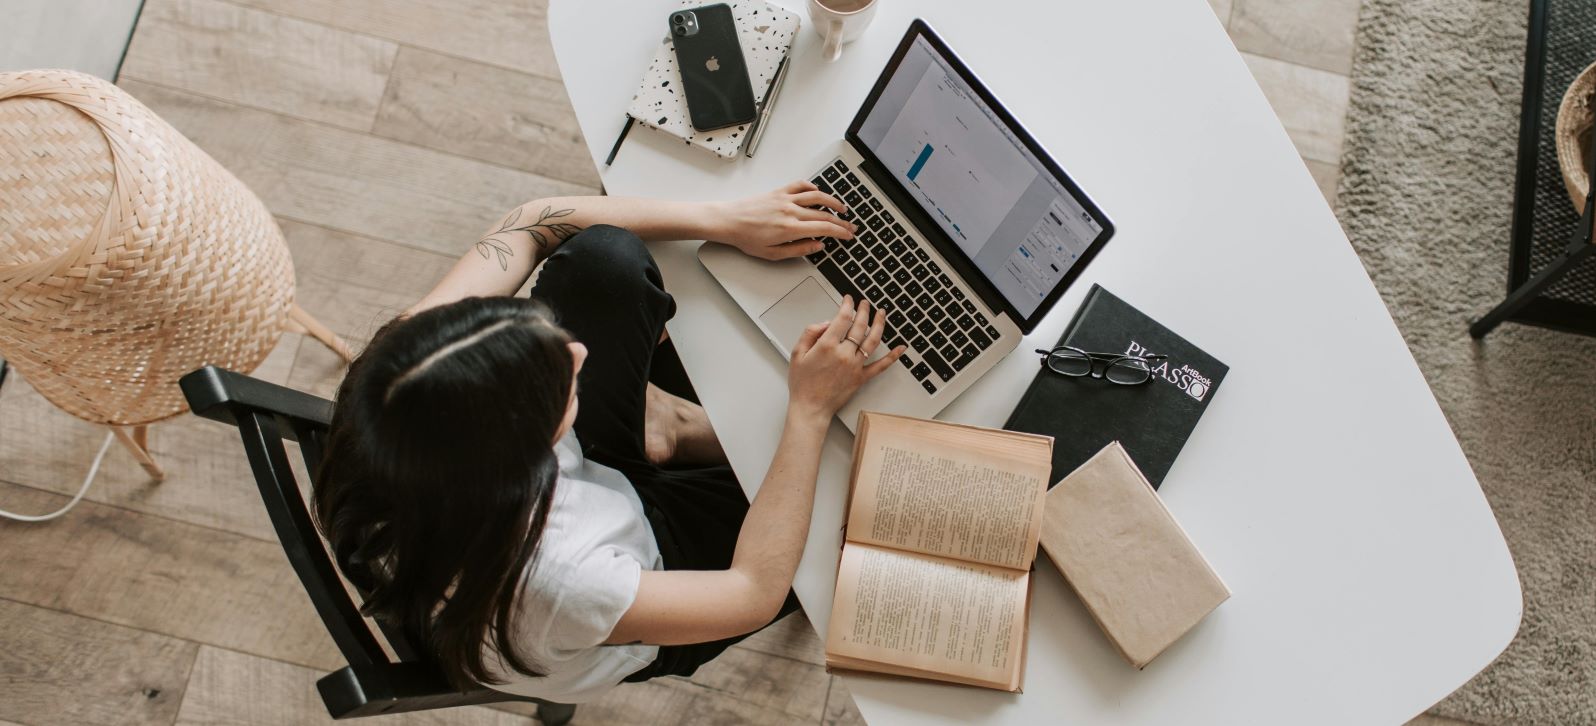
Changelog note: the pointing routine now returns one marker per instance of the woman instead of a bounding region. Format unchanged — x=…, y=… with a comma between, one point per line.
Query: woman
x=506, y=483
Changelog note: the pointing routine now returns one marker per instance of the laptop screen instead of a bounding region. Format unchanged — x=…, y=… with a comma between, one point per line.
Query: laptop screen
x=1013, y=217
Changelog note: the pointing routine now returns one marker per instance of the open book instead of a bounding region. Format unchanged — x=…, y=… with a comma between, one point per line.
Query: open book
x=942, y=528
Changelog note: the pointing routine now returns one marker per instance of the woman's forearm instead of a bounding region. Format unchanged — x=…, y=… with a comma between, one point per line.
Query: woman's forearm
x=699, y=606
x=771, y=541
x=827, y=366
x=777, y=225
x=502, y=259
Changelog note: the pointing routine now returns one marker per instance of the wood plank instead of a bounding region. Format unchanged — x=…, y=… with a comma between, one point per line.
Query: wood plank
x=512, y=35
x=168, y=577
x=792, y=687
x=317, y=371
x=1425, y=719
x=668, y=701
x=1327, y=176
x=356, y=284
x=350, y=181
x=83, y=35
x=261, y=59
x=1311, y=104
x=1319, y=34
x=791, y=637
x=1222, y=10
x=59, y=668
x=661, y=702
x=840, y=708
x=208, y=479
x=240, y=689
x=472, y=109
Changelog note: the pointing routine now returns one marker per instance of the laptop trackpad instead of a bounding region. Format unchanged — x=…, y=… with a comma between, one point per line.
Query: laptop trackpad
x=806, y=304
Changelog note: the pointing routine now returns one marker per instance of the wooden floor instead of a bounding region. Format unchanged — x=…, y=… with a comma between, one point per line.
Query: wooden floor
x=385, y=135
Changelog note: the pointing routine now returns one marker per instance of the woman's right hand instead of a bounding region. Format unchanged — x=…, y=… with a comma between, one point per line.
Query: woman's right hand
x=788, y=222
x=829, y=362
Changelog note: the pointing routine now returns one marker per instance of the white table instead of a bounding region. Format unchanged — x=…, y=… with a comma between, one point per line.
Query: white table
x=1323, y=483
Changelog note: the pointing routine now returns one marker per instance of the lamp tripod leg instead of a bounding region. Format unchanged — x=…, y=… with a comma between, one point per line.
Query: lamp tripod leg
x=136, y=440
x=298, y=316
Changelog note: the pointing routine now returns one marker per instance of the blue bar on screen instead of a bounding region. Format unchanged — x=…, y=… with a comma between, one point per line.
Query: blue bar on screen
x=919, y=163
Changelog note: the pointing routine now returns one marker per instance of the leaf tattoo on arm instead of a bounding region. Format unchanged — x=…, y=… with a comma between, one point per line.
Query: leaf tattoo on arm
x=545, y=231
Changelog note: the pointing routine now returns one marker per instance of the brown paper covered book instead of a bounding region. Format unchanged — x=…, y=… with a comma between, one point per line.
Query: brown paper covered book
x=1132, y=565
x=942, y=528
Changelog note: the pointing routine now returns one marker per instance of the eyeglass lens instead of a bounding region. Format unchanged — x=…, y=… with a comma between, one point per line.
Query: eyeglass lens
x=1128, y=371
x=1069, y=362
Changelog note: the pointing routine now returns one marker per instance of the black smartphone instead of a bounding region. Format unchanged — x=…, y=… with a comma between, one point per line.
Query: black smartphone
x=714, y=75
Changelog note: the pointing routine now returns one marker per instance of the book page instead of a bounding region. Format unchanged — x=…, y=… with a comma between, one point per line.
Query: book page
x=837, y=664
x=955, y=491
x=914, y=611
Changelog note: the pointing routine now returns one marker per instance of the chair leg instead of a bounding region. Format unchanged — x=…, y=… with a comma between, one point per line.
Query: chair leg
x=1531, y=289
x=136, y=441
x=314, y=327
x=555, y=714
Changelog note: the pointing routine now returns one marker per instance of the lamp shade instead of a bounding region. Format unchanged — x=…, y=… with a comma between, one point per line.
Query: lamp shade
x=128, y=256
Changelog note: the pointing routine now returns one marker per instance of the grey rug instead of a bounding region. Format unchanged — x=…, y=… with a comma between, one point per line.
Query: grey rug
x=1426, y=197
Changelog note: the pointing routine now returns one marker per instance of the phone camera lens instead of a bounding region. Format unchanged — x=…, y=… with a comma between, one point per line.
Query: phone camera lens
x=677, y=19
x=679, y=30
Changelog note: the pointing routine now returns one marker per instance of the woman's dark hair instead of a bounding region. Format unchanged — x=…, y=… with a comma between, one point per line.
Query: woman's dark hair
x=439, y=472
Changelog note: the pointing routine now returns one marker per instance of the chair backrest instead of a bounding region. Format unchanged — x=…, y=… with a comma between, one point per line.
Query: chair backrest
x=266, y=415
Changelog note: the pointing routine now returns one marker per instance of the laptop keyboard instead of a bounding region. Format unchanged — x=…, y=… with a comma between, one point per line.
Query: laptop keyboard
x=886, y=265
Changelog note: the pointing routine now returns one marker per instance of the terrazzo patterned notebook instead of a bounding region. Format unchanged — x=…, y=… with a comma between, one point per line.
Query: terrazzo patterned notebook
x=766, y=31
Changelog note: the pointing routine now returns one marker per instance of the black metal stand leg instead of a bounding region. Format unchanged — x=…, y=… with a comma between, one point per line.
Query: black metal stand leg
x=555, y=714
x=1531, y=289
x=1583, y=239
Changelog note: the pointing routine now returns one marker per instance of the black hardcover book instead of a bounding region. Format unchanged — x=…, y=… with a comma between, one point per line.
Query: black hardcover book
x=1151, y=420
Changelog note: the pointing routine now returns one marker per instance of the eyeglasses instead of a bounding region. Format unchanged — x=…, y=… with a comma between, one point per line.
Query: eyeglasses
x=1126, y=370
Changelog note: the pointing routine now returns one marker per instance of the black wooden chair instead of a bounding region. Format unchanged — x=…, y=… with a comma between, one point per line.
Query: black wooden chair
x=372, y=683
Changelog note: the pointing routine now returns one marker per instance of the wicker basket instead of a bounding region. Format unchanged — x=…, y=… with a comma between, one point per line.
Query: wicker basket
x=1573, y=134
x=128, y=256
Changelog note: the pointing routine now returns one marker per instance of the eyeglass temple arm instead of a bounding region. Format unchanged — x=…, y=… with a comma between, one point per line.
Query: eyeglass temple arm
x=1047, y=351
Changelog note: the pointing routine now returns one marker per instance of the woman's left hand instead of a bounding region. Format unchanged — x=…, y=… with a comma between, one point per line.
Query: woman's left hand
x=781, y=224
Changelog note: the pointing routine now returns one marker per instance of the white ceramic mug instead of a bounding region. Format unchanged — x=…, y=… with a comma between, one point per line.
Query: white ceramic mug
x=840, y=21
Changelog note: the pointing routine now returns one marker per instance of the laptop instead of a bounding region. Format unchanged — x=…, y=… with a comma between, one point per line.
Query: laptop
x=968, y=233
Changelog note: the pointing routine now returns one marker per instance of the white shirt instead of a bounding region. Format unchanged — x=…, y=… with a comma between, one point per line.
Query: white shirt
x=595, y=546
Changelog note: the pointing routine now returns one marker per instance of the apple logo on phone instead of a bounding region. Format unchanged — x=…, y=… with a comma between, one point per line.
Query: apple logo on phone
x=713, y=64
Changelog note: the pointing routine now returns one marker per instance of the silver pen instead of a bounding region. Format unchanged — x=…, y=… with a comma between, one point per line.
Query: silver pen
x=764, y=113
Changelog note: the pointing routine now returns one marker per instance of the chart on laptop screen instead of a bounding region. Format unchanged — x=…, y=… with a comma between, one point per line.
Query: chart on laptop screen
x=962, y=170
x=976, y=180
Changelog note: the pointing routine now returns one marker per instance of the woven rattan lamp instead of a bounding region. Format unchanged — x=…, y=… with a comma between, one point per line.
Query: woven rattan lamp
x=128, y=257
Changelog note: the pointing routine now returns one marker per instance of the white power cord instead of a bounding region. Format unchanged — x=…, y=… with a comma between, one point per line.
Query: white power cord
x=93, y=469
